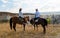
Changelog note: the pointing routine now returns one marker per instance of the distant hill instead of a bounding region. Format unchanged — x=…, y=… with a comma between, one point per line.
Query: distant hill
x=16, y=13
x=42, y=13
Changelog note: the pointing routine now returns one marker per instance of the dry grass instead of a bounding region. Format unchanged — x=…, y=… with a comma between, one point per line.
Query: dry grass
x=51, y=31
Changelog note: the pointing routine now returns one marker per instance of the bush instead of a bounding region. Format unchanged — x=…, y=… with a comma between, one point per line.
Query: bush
x=48, y=20
x=2, y=21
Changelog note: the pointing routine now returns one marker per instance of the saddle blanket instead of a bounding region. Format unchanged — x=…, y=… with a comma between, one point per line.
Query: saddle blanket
x=36, y=20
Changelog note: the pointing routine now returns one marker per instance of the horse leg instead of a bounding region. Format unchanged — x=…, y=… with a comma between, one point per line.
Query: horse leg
x=34, y=26
x=14, y=26
x=44, y=29
x=37, y=27
x=24, y=26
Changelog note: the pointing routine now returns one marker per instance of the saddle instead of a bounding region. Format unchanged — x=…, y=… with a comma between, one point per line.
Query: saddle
x=36, y=20
x=21, y=19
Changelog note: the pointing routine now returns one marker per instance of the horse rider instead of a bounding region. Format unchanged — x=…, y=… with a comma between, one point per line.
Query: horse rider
x=37, y=15
x=21, y=17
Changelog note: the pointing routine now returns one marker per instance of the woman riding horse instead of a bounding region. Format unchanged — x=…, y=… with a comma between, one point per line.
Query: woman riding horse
x=21, y=17
x=20, y=20
x=15, y=20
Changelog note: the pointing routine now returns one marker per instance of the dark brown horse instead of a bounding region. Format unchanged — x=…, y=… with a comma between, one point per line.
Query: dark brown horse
x=41, y=21
x=15, y=20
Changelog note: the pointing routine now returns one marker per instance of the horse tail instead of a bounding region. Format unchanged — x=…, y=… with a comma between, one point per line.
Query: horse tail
x=10, y=23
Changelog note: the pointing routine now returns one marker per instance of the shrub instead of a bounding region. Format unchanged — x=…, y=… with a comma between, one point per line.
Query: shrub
x=48, y=20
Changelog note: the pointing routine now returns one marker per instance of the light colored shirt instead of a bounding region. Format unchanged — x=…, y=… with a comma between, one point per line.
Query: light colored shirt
x=37, y=14
x=21, y=14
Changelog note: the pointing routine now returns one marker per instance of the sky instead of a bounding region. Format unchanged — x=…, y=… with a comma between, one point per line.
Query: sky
x=30, y=5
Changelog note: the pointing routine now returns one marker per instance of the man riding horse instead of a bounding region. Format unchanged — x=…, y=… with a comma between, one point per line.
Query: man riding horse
x=39, y=21
x=37, y=15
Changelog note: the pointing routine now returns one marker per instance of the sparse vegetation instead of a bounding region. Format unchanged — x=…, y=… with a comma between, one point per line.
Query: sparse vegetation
x=6, y=32
x=3, y=21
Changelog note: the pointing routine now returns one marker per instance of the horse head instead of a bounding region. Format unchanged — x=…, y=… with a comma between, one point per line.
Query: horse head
x=26, y=18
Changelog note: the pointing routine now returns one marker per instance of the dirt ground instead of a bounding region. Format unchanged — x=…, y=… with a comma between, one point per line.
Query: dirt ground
x=52, y=31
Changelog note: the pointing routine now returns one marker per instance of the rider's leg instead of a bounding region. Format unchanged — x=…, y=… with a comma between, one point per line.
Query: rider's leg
x=36, y=19
x=20, y=18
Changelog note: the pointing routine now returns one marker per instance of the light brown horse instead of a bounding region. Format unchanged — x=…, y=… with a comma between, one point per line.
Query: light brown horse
x=15, y=20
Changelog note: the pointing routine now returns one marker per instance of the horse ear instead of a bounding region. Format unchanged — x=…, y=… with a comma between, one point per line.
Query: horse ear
x=27, y=16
